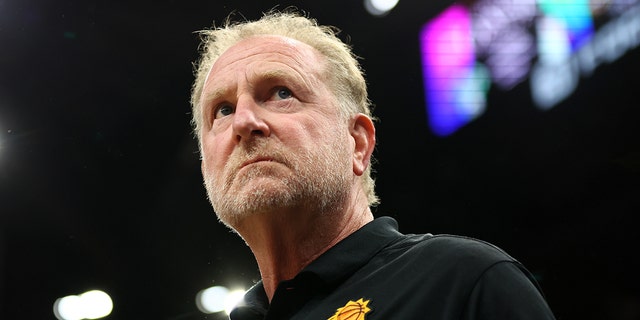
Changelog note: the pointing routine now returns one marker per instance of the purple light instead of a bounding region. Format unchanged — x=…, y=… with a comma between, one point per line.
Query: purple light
x=448, y=64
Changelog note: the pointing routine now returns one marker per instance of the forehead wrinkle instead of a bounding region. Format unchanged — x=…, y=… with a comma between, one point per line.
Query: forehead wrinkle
x=295, y=58
x=276, y=74
x=296, y=75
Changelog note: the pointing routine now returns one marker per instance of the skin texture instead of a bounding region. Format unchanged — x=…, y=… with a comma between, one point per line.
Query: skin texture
x=280, y=164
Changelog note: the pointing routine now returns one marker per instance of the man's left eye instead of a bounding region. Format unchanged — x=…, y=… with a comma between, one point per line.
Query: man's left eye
x=283, y=93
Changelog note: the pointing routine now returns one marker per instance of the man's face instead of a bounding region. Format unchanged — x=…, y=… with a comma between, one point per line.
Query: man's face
x=273, y=138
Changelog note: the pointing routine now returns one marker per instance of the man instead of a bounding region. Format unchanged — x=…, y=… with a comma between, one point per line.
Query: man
x=282, y=116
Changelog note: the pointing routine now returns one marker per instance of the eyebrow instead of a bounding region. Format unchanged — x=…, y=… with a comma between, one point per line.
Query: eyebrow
x=260, y=75
x=294, y=79
x=212, y=96
x=272, y=74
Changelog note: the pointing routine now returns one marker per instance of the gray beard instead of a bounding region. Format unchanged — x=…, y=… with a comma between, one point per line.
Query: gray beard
x=317, y=179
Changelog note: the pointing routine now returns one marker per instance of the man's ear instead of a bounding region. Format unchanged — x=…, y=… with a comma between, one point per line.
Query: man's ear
x=364, y=135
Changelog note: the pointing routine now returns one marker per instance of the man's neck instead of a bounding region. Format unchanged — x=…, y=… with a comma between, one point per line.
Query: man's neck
x=283, y=243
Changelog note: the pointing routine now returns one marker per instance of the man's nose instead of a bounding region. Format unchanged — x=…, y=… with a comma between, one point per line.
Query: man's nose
x=248, y=119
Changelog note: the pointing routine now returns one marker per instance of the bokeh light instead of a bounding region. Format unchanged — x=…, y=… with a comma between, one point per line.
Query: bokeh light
x=380, y=7
x=218, y=298
x=92, y=304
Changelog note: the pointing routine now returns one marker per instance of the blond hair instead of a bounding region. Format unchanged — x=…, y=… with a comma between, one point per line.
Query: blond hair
x=345, y=75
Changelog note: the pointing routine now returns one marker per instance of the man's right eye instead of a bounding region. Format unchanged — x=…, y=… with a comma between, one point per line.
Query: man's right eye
x=223, y=111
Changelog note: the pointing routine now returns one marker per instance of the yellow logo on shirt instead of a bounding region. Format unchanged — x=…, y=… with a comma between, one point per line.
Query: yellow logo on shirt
x=353, y=310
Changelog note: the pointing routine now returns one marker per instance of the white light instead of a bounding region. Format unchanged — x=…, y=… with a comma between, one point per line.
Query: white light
x=553, y=41
x=379, y=7
x=92, y=304
x=212, y=300
x=97, y=304
x=218, y=298
x=67, y=308
x=233, y=298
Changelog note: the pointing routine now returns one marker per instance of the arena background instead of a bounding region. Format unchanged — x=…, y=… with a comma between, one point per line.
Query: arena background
x=100, y=185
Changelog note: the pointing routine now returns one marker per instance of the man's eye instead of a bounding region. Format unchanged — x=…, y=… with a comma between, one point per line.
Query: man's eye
x=283, y=93
x=223, y=111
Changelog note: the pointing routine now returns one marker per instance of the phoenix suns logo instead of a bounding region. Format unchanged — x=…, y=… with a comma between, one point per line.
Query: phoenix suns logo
x=353, y=310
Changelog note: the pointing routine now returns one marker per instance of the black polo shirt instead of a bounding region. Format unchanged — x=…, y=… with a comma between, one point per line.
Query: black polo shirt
x=379, y=273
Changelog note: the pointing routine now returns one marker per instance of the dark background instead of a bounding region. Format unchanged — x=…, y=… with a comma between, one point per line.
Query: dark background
x=100, y=185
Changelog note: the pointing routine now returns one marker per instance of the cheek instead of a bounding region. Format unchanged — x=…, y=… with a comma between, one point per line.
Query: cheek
x=318, y=128
x=213, y=153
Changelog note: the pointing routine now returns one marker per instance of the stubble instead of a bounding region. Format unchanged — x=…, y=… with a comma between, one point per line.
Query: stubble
x=316, y=179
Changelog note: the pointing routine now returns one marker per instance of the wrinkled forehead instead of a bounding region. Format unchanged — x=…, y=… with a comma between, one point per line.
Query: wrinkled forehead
x=285, y=49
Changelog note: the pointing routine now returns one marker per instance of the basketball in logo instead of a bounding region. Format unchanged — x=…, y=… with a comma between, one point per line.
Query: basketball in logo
x=353, y=310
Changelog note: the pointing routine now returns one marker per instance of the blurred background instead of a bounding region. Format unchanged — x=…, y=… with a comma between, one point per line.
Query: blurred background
x=511, y=121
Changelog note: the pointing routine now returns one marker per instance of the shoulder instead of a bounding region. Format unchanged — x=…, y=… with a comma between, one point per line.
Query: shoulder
x=453, y=251
x=461, y=246
x=454, y=262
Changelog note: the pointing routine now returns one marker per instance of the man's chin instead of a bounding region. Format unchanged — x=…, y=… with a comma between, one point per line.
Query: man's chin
x=245, y=186
x=258, y=196
x=235, y=219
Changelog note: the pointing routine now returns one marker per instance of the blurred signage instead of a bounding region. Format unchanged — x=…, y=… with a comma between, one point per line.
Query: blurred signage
x=468, y=48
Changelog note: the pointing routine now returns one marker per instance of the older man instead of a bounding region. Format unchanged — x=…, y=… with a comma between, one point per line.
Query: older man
x=282, y=116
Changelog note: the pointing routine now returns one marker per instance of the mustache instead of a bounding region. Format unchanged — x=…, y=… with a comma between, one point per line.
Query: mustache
x=256, y=150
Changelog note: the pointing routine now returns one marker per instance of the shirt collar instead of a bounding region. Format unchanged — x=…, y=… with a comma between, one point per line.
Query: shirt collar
x=349, y=255
x=333, y=266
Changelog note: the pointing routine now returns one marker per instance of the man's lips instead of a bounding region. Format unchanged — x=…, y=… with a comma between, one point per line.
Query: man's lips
x=255, y=160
